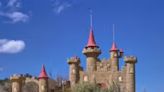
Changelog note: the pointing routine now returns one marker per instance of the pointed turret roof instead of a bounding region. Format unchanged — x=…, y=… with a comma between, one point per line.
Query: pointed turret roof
x=43, y=73
x=114, y=47
x=91, y=39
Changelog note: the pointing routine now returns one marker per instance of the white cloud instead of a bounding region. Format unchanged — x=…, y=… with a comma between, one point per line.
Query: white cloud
x=11, y=46
x=13, y=12
x=16, y=16
x=61, y=5
x=13, y=3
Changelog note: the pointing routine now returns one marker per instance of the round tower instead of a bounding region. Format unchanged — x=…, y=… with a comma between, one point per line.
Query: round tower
x=17, y=82
x=91, y=51
x=130, y=73
x=74, y=74
x=114, y=55
x=43, y=80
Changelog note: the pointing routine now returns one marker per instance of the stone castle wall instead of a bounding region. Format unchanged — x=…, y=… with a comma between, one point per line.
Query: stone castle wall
x=19, y=81
x=103, y=74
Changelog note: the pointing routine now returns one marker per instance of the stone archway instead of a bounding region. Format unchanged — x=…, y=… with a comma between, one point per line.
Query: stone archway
x=30, y=87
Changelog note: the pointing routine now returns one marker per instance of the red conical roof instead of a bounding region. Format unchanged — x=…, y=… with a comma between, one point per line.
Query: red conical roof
x=114, y=47
x=43, y=73
x=91, y=40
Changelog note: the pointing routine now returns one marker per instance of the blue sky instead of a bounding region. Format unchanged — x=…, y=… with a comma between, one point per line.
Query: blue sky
x=36, y=32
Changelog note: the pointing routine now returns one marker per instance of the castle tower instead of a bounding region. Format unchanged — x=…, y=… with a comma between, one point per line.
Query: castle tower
x=74, y=69
x=130, y=73
x=17, y=83
x=114, y=55
x=43, y=80
x=91, y=51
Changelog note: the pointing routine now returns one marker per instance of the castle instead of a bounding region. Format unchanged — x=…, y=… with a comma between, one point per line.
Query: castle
x=103, y=72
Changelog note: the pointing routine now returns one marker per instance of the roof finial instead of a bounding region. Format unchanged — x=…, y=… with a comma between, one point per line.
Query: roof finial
x=114, y=47
x=91, y=18
x=113, y=33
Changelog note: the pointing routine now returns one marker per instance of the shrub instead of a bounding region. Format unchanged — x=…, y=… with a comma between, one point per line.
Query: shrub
x=88, y=87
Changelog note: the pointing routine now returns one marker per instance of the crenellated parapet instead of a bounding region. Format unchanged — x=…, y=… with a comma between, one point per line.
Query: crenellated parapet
x=73, y=60
x=130, y=59
x=91, y=51
x=16, y=77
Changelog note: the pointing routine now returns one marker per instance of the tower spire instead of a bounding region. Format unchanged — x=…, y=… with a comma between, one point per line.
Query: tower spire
x=91, y=19
x=113, y=33
x=114, y=46
x=91, y=39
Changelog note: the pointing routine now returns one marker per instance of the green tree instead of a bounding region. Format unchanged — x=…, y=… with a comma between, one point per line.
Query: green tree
x=88, y=87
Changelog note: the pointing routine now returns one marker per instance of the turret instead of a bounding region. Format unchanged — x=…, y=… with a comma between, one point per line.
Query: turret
x=130, y=73
x=91, y=51
x=114, y=55
x=43, y=80
x=74, y=70
x=17, y=83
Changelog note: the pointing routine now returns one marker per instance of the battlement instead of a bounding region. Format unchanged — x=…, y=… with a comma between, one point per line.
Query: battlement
x=17, y=77
x=103, y=66
x=22, y=76
x=73, y=60
x=91, y=50
x=130, y=59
